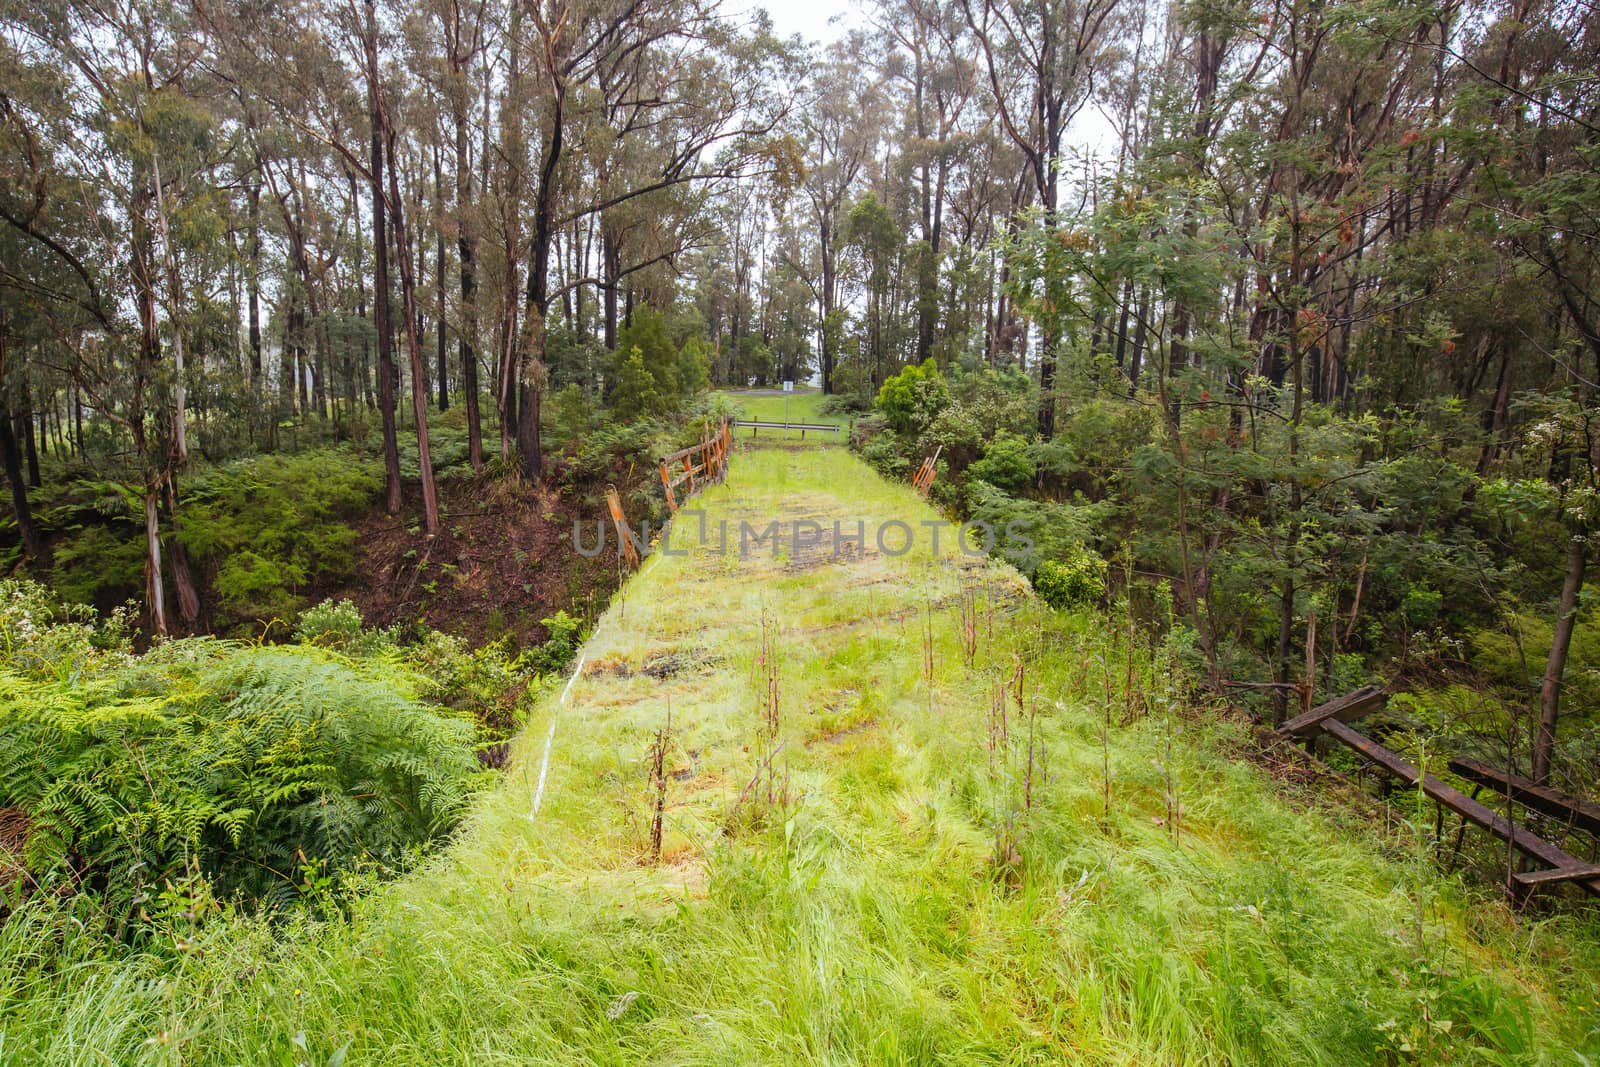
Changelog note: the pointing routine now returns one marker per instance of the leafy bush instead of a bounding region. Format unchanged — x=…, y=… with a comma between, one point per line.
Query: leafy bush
x=1065, y=583
x=1006, y=463
x=484, y=684
x=606, y=451
x=243, y=766
x=845, y=404
x=1028, y=532
x=647, y=374
x=334, y=623
x=912, y=399
x=563, y=636
x=635, y=392
x=570, y=415
x=96, y=563
x=983, y=402
x=693, y=369
x=881, y=448
x=42, y=635
x=269, y=526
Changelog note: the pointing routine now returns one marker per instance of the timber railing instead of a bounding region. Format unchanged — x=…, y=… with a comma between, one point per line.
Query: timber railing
x=1333, y=720
x=696, y=465
x=922, y=481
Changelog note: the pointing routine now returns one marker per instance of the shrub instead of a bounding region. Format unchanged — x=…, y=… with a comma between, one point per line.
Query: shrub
x=1028, y=532
x=882, y=451
x=635, y=392
x=1065, y=583
x=242, y=766
x=1006, y=463
x=693, y=369
x=269, y=526
x=564, y=635
x=912, y=399
x=331, y=622
x=484, y=684
x=47, y=637
x=607, y=451
x=571, y=415
x=648, y=375
x=94, y=564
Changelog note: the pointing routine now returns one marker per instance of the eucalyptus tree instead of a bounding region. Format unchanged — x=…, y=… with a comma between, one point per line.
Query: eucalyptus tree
x=841, y=128
x=119, y=145
x=934, y=68
x=709, y=90
x=1043, y=62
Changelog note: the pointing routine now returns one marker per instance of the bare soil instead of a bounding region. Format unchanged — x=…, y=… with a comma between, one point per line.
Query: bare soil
x=502, y=561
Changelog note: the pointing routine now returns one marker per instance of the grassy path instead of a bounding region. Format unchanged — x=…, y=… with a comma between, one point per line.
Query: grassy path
x=897, y=891
x=804, y=405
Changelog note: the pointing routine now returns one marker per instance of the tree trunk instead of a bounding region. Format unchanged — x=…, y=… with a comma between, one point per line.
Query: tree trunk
x=182, y=575
x=443, y=380
x=1544, y=742
x=24, y=428
x=419, y=389
x=154, y=595
x=11, y=458
x=174, y=294
x=829, y=281
x=380, y=284
x=611, y=267
x=467, y=251
x=253, y=283
x=531, y=350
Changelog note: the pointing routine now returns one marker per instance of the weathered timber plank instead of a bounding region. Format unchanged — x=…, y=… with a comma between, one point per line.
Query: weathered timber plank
x=673, y=457
x=1350, y=706
x=1524, y=841
x=1584, y=814
x=1557, y=874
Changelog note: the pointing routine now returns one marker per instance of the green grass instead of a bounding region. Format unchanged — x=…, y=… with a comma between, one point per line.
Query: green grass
x=865, y=920
x=804, y=406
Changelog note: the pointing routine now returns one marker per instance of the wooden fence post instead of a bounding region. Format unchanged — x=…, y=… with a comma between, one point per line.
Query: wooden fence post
x=666, y=483
x=618, y=520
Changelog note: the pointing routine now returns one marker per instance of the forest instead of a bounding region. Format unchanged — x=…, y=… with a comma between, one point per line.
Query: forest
x=1266, y=333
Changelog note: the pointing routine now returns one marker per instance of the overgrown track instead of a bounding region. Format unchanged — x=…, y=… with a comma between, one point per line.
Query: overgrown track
x=885, y=836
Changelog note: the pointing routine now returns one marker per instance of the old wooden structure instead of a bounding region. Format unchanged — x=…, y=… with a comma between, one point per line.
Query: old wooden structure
x=696, y=465
x=922, y=481
x=1554, y=865
x=625, y=546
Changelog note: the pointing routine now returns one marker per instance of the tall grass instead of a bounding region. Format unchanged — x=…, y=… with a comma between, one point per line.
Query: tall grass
x=865, y=922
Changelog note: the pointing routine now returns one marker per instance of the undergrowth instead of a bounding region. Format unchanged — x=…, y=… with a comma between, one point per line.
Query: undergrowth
x=207, y=775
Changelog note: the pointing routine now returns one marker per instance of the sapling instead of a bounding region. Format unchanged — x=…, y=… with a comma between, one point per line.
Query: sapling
x=1038, y=755
x=1105, y=737
x=767, y=745
x=969, y=625
x=1174, y=808
x=997, y=727
x=1174, y=805
x=658, y=783
x=988, y=608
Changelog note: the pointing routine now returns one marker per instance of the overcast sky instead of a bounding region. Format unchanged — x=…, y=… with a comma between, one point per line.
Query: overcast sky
x=810, y=18
x=826, y=20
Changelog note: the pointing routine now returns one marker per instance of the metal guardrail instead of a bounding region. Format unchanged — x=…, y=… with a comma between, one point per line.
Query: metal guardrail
x=756, y=426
